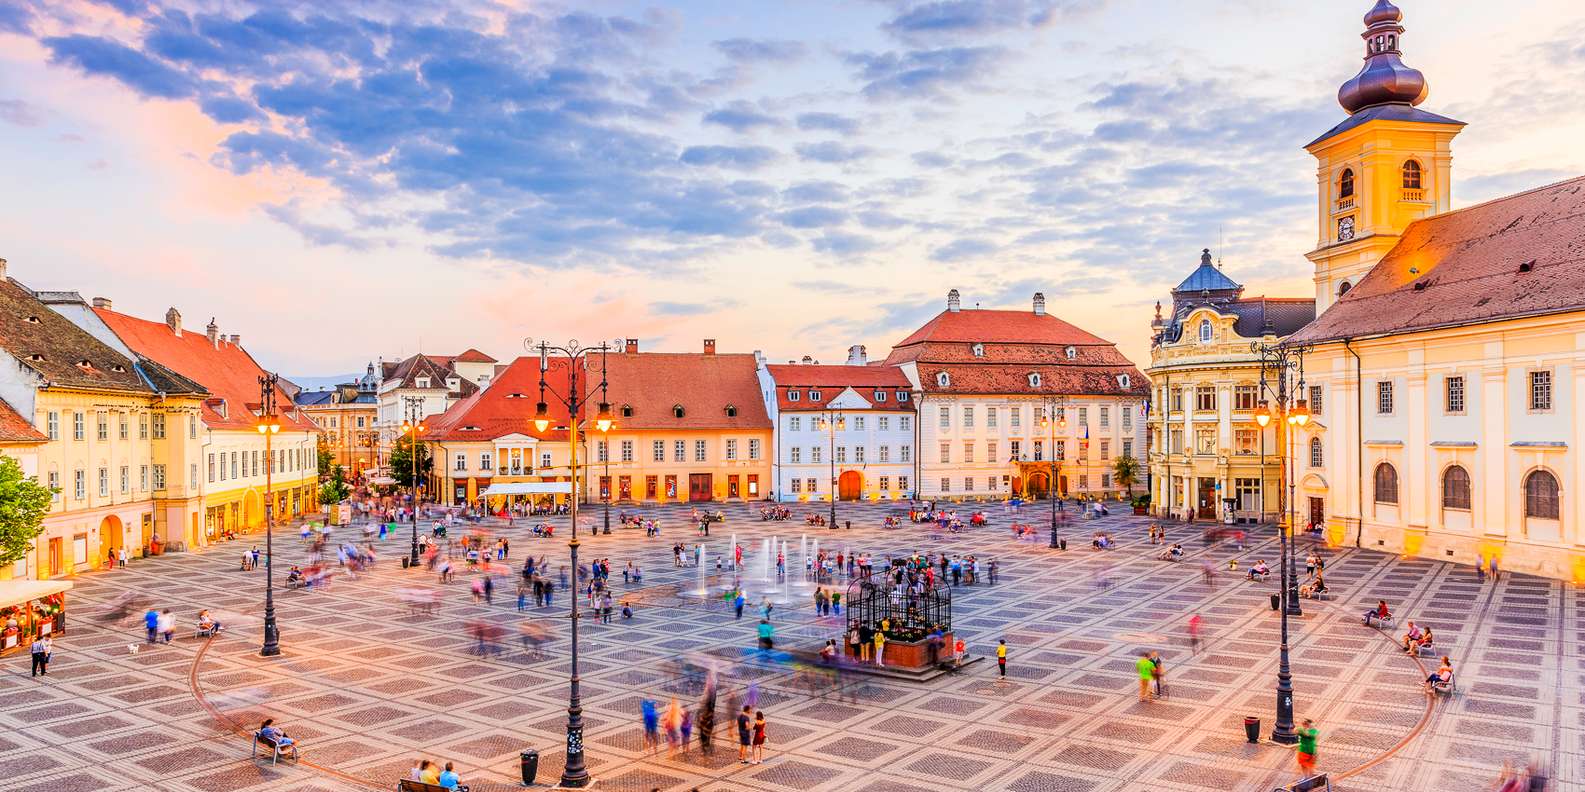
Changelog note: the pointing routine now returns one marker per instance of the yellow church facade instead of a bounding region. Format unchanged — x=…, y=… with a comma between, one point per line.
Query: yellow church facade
x=1447, y=357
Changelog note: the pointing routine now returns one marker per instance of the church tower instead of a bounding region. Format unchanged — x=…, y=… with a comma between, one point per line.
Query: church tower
x=1386, y=165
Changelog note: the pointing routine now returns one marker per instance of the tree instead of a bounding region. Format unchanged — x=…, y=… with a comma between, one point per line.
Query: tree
x=335, y=489
x=1125, y=471
x=327, y=460
x=23, y=504
x=402, y=461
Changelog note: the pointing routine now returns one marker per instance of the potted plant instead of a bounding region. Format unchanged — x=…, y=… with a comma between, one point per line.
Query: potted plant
x=1141, y=504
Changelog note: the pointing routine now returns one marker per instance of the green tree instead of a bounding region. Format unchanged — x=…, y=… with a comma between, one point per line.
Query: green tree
x=327, y=460
x=23, y=504
x=402, y=461
x=1125, y=471
x=335, y=489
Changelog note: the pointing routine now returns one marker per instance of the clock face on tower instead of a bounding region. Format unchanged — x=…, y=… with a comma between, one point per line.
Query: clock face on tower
x=1345, y=229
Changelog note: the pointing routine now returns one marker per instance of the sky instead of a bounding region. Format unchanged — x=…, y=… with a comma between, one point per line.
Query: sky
x=339, y=182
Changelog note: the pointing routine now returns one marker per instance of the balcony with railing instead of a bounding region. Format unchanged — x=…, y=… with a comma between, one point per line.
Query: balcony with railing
x=1344, y=204
x=1417, y=196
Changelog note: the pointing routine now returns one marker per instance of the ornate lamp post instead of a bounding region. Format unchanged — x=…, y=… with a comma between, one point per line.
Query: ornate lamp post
x=833, y=422
x=269, y=425
x=1050, y=422
x=1278, y=360
x=575, y=772
x=413, y=428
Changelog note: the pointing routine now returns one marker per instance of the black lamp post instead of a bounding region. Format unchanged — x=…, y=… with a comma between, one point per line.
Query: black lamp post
x=413, y=427
x=1279, y=360
x=575, y=772
x=832, y=422
x=269, y=426
x=1051, y=422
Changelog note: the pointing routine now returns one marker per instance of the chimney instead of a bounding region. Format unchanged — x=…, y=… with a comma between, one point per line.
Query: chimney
x=213, y=331
x=631, y=347
x=709, y=346
x=102, y=302
x=2, y=268
x=173, y=320
x=236, y=339
x=952, y=301
x=856, y=356
x=1040, y=304
x=807, y=360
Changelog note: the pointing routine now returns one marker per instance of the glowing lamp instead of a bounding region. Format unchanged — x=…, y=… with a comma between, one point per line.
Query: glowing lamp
x=542, y=416
x=602, y=419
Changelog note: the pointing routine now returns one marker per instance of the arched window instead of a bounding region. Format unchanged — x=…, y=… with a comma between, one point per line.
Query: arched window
x=731, y=411
x=1070, y=353
x=979, y=350
x=1342, y=290
x=1540, y=495
x=1317, y=456
x=1411, y=175
x=1455, y=488
x=1386, y=483
x=1205, y=331
x=943, y=379
x=1345, y=184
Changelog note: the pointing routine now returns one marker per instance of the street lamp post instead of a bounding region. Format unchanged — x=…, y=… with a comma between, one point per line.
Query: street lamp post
x=269, y=426
x=414, y=427
x=575, y=772
x=1050, y=422
x=1279, y=360
x=832, y=422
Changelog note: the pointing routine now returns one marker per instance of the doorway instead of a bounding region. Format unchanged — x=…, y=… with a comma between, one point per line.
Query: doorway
x=732, y=487
x=699, y=486
x=849, y=485
x=56, y=565
x=1317, y=511
x=1205, y=507
x=1039, y=485
x=110, y=534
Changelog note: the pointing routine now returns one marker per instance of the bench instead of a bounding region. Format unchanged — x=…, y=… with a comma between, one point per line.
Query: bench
x=1448, y=688
x=1315, y=783
x=276, y=749
x=205, y=632
x=1381, y=621
x=409, y=785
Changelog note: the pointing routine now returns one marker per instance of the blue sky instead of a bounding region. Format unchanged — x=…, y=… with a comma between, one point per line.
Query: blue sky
x=342, y=181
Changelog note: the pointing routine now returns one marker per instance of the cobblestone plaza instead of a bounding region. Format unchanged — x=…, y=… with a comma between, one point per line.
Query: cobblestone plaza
x=366, y=686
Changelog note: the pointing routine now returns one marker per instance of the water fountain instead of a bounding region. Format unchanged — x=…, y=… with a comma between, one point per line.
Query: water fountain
x=699, y=556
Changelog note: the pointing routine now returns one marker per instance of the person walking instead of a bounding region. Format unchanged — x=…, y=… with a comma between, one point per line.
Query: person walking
x=1308, y=736
x=1001, y=658
x=1491, y=568
x=1147, y=673
x=121, y=558
x=1194, y=633
x=151, y=622
x=167, y=624
x=991, y=570
x=41, y=656
x=759, y=737
x=737, y=604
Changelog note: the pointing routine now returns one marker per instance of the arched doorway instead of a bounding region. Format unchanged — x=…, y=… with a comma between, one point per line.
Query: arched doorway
x=252, y=510
x=1018, y=487
x=850, y=485
x=112, y=535
x=1039, y=485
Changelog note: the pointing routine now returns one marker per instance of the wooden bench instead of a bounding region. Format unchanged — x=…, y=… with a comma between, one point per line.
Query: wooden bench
x=276, y=749
x=409, y=785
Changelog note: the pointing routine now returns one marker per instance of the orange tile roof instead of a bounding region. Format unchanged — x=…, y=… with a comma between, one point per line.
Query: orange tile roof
x=1000, y=327
x=1523, y=255
x=507, y=406
x=471, y=355
x=16, y=429
x=704, y=384
x=226, y=370
x=832, y=380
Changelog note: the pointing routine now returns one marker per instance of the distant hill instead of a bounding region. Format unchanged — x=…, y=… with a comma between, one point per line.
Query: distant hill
x=317, y=383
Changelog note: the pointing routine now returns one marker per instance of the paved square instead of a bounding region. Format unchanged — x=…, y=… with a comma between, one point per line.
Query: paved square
x=367, y=686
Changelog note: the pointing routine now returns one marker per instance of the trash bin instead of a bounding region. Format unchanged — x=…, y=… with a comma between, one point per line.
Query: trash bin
x=529, y=761
x=1062, y=544
x=405, y=561
x=848, y=524
x=1276, y=601
x=1252, y=729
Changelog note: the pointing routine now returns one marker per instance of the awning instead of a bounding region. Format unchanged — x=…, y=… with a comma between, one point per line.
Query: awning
x=16, y=592
x=529, y=488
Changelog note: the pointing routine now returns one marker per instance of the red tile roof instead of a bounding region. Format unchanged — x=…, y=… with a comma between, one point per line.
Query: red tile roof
x=471, y=355
x=438, y=368
x=833, y=380
x=1054, y=380
x=999, y=327
x=705, y=385
x=16, y=429
x=226, y=370
x=1523, y=255
x=507, y=406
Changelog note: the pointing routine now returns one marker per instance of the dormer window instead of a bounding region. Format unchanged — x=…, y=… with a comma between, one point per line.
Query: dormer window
x=731, y=411
x=36, y=357
x=1034, y=379
x=33, y=320
x=943, y=379
x=1205, y=331
x=902, y=396
x=814, y=395
x=627, y=411
x=84, y=364
x=1071, y=353
x=677, y=411
x=1122, y=381
x=793, y=395
x=979, y=350
x=451, y=382
x=880, y=396
x=422, y=382
x=119, y=369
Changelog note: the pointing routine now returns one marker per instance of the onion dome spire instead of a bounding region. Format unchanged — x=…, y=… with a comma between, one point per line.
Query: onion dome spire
x=1384, y=78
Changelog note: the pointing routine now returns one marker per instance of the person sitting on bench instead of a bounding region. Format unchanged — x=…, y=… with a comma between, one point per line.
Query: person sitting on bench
x=1259, y=571
x=283, y=743
x=1380, y=613
x=207, y=623
x=1442, y=678
x=1411, y=637
x=1424, y=641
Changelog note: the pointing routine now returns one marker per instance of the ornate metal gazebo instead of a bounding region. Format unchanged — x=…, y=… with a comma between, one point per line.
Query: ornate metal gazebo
x=909, y=615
